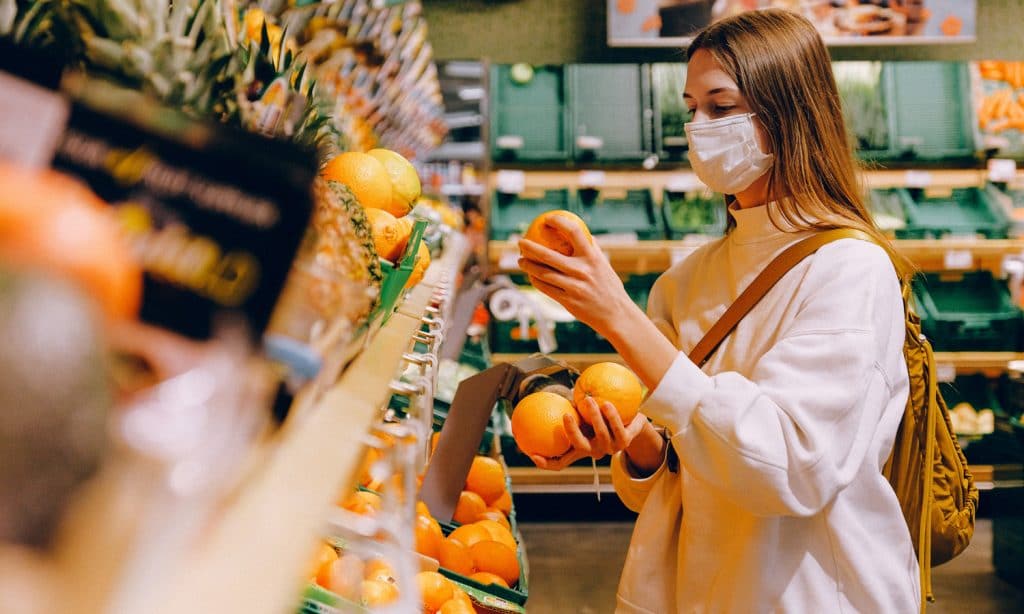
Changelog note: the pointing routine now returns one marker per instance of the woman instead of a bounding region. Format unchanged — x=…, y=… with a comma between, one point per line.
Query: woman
x=772, y=499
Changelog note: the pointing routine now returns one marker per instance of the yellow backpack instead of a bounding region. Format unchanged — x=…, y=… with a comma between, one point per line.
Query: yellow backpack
x=927, y=468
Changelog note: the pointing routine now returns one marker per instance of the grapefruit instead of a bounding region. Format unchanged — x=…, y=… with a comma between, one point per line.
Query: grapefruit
x=611, y=382
x=537, y=425
x=541, y=231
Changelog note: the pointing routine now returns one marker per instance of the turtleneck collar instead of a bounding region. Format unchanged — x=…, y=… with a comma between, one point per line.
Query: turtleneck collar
x=754, y=224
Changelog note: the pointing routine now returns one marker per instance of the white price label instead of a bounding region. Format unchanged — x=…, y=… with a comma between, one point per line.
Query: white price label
x=684, y=182
x=945, y=372
x=678, y=254
x=509, y=260
x=32, y=119
x=1002, y=170
x=511, y=182
x=957, y=259
x=591, y=179
x=917, y=179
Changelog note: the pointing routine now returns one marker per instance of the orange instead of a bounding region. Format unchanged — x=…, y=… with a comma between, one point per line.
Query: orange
x=486, y=478
x=405, y=181
x=386, y=235
x=344, y=576
x=433, y=441
x=419, y=269
x=364, y=175
x=461, y=595
x=497, y=516
x=379, y=569
x=611, y=382
x=498, y=533
x=421, y=508
x=51, y=222
x=325, y=555
x=435, y=589
x=428, y=536
x=455, y=556
x=540, y=231
x=457, y=606
x=378, y=593
x=537, y=424
x=404, y=224
x=469, y=507
x=496, y=558
x=503, y=503
x=485, y=578
x=363, y=503
x=469, y=534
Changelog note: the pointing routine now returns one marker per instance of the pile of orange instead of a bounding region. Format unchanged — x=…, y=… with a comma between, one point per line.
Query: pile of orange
x=348, y=575
x=442, y=596
x=538, y=425
x=387, y=186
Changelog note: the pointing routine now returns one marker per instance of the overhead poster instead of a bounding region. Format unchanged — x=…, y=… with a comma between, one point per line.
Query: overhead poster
x=672, y=23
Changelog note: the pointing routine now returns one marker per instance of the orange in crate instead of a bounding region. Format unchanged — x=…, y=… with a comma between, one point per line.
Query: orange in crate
x=469, y=507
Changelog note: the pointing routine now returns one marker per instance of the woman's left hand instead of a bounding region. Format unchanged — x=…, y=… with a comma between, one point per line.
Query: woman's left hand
x=584, y=283
x=609, y=435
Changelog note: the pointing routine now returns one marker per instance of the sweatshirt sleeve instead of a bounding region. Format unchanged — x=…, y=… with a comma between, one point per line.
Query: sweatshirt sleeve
x=633, y=490
x=787, y=439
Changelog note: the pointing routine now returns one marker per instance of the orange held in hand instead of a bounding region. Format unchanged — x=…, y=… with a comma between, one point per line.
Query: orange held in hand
x=537, y=424
x=541, y=231
x=611, y=382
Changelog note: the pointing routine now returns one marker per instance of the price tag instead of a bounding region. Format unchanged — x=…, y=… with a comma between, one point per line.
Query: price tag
x=678, y=254
x=945, y=372
x=955, y=259
x=509, y=260
x=1000, y=170
x=511, y=182
x=917, y=179
x=32, y=119
x=591, y=179
x=684, y=182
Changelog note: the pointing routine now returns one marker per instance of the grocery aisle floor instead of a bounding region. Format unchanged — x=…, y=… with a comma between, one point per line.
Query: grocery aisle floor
x=574, y=568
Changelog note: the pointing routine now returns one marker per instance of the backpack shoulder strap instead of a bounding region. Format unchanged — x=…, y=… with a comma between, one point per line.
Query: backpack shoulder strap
x=753, y=294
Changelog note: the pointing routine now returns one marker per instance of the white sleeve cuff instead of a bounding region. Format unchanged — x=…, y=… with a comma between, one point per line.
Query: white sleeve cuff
x=632, y=490
x=675, y=398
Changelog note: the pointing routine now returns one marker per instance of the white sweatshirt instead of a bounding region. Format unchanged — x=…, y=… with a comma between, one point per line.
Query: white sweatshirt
x=779, y=503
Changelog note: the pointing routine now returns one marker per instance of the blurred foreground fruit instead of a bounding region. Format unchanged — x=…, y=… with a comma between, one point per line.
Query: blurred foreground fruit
x=405, y=182
x=51, y=222
x=541, y=231
x=537, y=425
x=611, y=382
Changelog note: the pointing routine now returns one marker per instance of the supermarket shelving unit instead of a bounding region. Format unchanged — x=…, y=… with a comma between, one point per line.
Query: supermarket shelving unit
x=282, y=511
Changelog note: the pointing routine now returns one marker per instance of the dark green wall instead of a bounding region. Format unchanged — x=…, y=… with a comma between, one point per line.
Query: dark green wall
x=564, y=31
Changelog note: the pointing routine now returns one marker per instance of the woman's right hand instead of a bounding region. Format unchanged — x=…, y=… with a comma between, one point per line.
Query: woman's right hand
x=610, y=435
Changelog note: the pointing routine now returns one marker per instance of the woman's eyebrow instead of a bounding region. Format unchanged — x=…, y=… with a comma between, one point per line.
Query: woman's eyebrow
x=717, y=90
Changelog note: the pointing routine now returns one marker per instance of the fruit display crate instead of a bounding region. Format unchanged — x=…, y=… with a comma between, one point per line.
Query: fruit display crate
x=609, y=110
x=629, y=212
x=517, y=595
x=970, y=212
x=529, y=115
x=693, y=214
x=512, y=213
x=996, y=447
x=887, y=209
x=967, y=311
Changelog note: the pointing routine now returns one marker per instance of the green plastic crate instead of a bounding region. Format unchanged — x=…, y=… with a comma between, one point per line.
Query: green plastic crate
x=531, y=116
x=632, y=212
x=517, y=595
x=964, y=212
x=395, y=277
x=863, y=94
x=969, y=311
x=693, y=214
x=887, y=209
x=610, y=106
x=512, y=213
x=670, y=113
x=930, y=108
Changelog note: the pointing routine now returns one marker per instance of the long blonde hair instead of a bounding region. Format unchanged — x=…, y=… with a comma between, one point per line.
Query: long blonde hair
x=781, y=65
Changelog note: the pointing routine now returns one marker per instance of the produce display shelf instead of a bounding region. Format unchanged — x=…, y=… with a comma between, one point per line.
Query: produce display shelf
x=532, y=480
x=964, y=362
x=654, y=256
x=230, y=572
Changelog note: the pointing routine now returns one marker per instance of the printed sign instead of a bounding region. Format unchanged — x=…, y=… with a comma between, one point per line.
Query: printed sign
x=673, y=23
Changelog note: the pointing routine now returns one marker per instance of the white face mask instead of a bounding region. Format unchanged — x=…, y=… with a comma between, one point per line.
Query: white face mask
x=724, y=153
